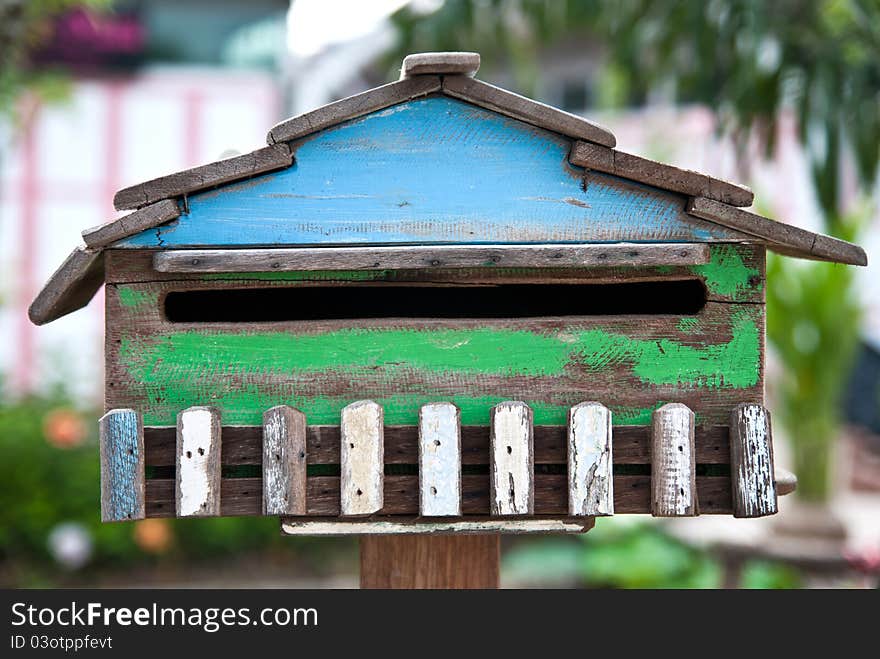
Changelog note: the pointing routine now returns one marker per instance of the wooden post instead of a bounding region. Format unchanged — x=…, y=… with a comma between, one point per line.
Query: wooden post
x=430, y=561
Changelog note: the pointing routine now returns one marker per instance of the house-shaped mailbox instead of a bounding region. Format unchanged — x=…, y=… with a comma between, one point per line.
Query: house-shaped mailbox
x=436, y=306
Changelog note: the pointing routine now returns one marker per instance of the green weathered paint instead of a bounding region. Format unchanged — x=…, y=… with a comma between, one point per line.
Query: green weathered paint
x=134, y=297
x=504, y=352
x=180, y=369
x=727, y=274
x=735, y=363
x=688, y=325
x=245, y=406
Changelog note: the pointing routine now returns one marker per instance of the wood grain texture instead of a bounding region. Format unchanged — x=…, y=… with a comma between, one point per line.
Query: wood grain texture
x=204, y=176
x=590, y=477
x=711, y=362
x=417, y=526
x=784, y=238
x=352, y=107
x=422, y=257
x=751, y=462
x=70, y=287
x=525, y=109
x=512, y=489
x=734, y=273
x=362, y=183
x=667, y=177
x=243, y=445
x=142, y=219
x=459, y=561
x=122, y=466
x=673, y=474
x=284, y=461
x=632, y=494
x=446, y=63
x=198, y=462
x=439, y=460
x=363, y=458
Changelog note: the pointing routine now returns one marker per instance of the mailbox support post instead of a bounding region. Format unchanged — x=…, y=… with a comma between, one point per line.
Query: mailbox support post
x=430, y=561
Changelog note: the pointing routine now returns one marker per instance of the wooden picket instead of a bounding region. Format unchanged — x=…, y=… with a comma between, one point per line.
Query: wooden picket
x=442, y=495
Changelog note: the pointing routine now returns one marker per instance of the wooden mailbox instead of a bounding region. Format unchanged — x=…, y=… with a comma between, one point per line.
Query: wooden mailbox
x=436, y=306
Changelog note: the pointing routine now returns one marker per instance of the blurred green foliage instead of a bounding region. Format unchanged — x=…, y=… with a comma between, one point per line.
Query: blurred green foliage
x=619, y=554
x=43, y=485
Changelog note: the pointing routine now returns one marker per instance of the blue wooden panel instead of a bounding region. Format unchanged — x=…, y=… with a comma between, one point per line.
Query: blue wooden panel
x=122, y=466
x=431, y=170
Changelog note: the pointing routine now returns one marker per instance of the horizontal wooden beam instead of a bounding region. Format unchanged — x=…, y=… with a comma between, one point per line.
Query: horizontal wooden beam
x=243, y=445
x=420, y=257
x=632, y=494
x=415, y=525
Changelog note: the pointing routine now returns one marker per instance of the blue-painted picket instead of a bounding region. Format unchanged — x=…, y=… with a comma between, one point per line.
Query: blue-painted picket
x=433, y=170
x=122, y=466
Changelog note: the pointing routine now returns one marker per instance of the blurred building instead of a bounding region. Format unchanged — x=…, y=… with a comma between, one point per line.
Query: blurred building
x=157, y=86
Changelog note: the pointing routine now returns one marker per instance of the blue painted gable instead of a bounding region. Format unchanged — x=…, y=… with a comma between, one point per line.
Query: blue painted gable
x=433, y=170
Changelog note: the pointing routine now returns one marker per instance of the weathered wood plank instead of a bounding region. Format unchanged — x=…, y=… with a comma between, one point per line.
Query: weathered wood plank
x=711, y=362
x=439, y=460
x=390, y=194
x=198, y=462
x=660, y=175
x=445, y=63
x=362, y=456
x=284, y=461
x=122, y=466
x=784, y=238
x=352, y=107
x=735, y=273
x=632, y=494
x=751, y=462
x=142, y=219
x=512, y=459
x=336, y=527
x=70, y=287
x=590, y=478
x=243, y=445
x=673, y=474
x=525, y=109
x=427, y=257
x=205, y=176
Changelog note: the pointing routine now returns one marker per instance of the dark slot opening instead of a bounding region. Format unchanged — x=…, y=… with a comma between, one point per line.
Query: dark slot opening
x=389, y=301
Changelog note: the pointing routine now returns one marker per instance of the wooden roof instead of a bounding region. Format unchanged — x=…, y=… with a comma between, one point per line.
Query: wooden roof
x=164, y=199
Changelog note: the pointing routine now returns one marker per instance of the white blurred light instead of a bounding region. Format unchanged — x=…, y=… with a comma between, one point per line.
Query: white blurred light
x=70, y=545
x=313, y=25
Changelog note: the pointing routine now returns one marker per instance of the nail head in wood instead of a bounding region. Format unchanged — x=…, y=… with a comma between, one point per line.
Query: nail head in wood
x=122, y=465
x=284, y=461
x=673, y=468
x=512, y=490
x=590, y=478
x=753, y=485
x=198, y=462
x=444, y=63
x=362, y=482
